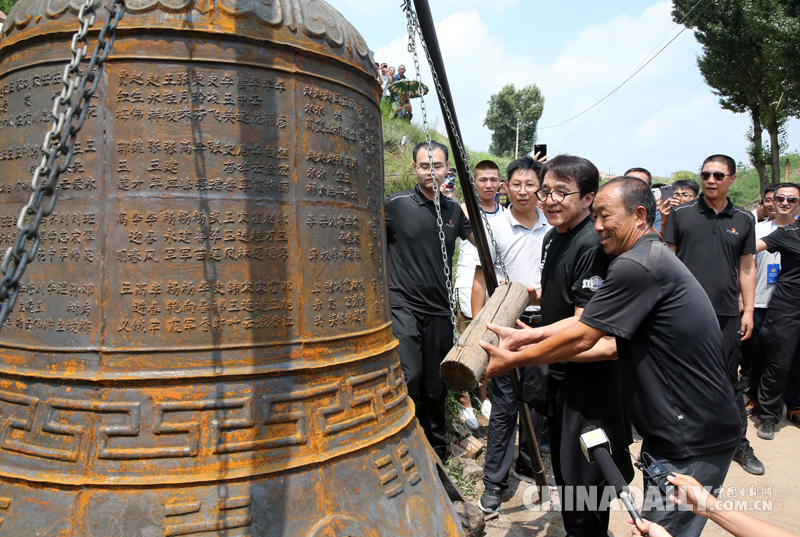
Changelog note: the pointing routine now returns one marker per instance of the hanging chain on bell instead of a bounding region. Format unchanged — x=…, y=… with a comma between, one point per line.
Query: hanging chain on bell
x=75, y=95
x=413, y=28
x=413, y=31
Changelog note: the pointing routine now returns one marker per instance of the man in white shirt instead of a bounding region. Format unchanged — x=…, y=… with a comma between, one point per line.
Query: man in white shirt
x=487, y=182
x=752, y=350
x=519, y=233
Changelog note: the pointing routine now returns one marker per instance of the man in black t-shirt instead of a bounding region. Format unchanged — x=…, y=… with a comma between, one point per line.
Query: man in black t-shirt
x=579, y=395
x=420, y=304
x=674, y=382
x=716, y=241
x=782, y=324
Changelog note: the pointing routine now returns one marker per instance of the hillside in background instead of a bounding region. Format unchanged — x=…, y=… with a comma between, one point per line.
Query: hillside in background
x=400, y=176
x=397, y=160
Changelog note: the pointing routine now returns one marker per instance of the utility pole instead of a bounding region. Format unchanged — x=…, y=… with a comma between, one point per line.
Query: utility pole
x=516, y=149
x=786, y=172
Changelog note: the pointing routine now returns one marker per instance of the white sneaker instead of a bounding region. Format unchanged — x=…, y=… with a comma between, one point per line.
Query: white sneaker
x=486, y=409
x=468, y=417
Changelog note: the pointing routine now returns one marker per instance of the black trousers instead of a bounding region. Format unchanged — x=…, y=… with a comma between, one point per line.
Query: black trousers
x=583, y=523
x=502, y=432
x=792, y=394
x=753, y=363
x=782, y=335
x=424, y=342
x=732, y=347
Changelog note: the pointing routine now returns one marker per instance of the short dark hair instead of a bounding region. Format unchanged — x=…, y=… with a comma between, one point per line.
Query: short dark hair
x=772, y=187
x=524, y=163
x=787, y=185
x=640, y=170
x=570, y=168
x=635, y=193
x=689, y=184
x=487, y=165
x=434, y=146
x=722, y=159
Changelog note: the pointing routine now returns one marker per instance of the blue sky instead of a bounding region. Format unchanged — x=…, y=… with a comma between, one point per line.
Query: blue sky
x=664, y=119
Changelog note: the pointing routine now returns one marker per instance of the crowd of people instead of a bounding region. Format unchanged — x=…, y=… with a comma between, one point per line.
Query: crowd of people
x=400, y=102
x=639, y=313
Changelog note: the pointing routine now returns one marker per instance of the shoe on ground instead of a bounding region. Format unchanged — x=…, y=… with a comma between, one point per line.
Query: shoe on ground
x=467, y=415
x=750, y=406
x=749, y=461
x=793, y=415
x=766, y=430
x=524, y=475
x=491, y=499
x=486, y=409
x=636, y=436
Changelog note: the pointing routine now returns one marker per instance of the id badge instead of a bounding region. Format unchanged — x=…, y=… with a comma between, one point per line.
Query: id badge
x=773, y=270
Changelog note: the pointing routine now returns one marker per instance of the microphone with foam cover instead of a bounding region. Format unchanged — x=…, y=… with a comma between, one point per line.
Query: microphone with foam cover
x=597, y=448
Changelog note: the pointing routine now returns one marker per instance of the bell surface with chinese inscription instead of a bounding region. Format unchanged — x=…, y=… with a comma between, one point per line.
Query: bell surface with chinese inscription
x=203, y=345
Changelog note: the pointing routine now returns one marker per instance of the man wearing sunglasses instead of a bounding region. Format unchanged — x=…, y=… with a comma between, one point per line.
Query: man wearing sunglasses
x=767, y=267
x=716, y=241
x=781, y=330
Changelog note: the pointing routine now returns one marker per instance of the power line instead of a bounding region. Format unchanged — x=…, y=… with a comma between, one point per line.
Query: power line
x=645, y=117
x=635, y=72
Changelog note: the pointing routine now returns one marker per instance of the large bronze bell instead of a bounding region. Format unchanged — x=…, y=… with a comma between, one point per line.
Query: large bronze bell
x=203, y=345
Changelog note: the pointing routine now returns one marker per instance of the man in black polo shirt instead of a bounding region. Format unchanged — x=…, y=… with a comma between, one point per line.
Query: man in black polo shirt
x=579, y=395
x=782, y=324
x=675, y=382
x=420, y=304
x=715, y=239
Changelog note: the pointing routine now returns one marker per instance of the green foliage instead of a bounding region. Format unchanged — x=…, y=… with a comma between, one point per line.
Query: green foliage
x=6, y=5
x=751, y=57
x=397, y=159
x=505, y=109
x=747, y=187
x=681, y=175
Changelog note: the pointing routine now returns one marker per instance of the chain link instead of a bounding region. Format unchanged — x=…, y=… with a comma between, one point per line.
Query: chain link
x=413, y=28
x=75, y=94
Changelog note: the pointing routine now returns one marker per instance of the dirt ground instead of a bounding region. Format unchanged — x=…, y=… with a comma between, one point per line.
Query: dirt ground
x=780, y=485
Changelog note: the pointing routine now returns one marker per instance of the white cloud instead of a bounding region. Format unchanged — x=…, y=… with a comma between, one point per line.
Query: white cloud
x=481, y=57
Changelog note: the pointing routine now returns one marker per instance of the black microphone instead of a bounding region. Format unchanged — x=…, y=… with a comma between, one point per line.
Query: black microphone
x=597, y=448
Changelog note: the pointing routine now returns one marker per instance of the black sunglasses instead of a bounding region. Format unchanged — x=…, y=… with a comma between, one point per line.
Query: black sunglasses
x=719, y=176
x=791, y=200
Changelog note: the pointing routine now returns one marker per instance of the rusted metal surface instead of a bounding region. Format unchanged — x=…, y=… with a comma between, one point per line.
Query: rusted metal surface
x=203, y=346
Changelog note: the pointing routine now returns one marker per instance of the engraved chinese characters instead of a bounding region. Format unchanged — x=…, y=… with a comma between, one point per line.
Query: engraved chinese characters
x=203, y=345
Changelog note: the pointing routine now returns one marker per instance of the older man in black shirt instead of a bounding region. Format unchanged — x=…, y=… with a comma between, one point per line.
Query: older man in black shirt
x=716, y=241
x=420, y=304
x=674, y=382
x=579, y=394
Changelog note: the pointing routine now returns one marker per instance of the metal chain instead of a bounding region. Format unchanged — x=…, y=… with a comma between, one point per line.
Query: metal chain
x=413, y=28
x=75, y=95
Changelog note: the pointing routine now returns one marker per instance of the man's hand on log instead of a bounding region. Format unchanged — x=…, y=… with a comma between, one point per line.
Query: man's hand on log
x=513, y=339
x=500, y=360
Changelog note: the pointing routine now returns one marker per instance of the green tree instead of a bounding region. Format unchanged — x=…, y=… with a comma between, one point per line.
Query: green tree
x=6, y=5
x=510, y=110
x=751, y=50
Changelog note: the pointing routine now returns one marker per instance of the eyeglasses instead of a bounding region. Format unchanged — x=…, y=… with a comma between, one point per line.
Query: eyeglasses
x=522, y=187
x=791, y=200
x=557, y=195
x=719, y=176
x=684, y=195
